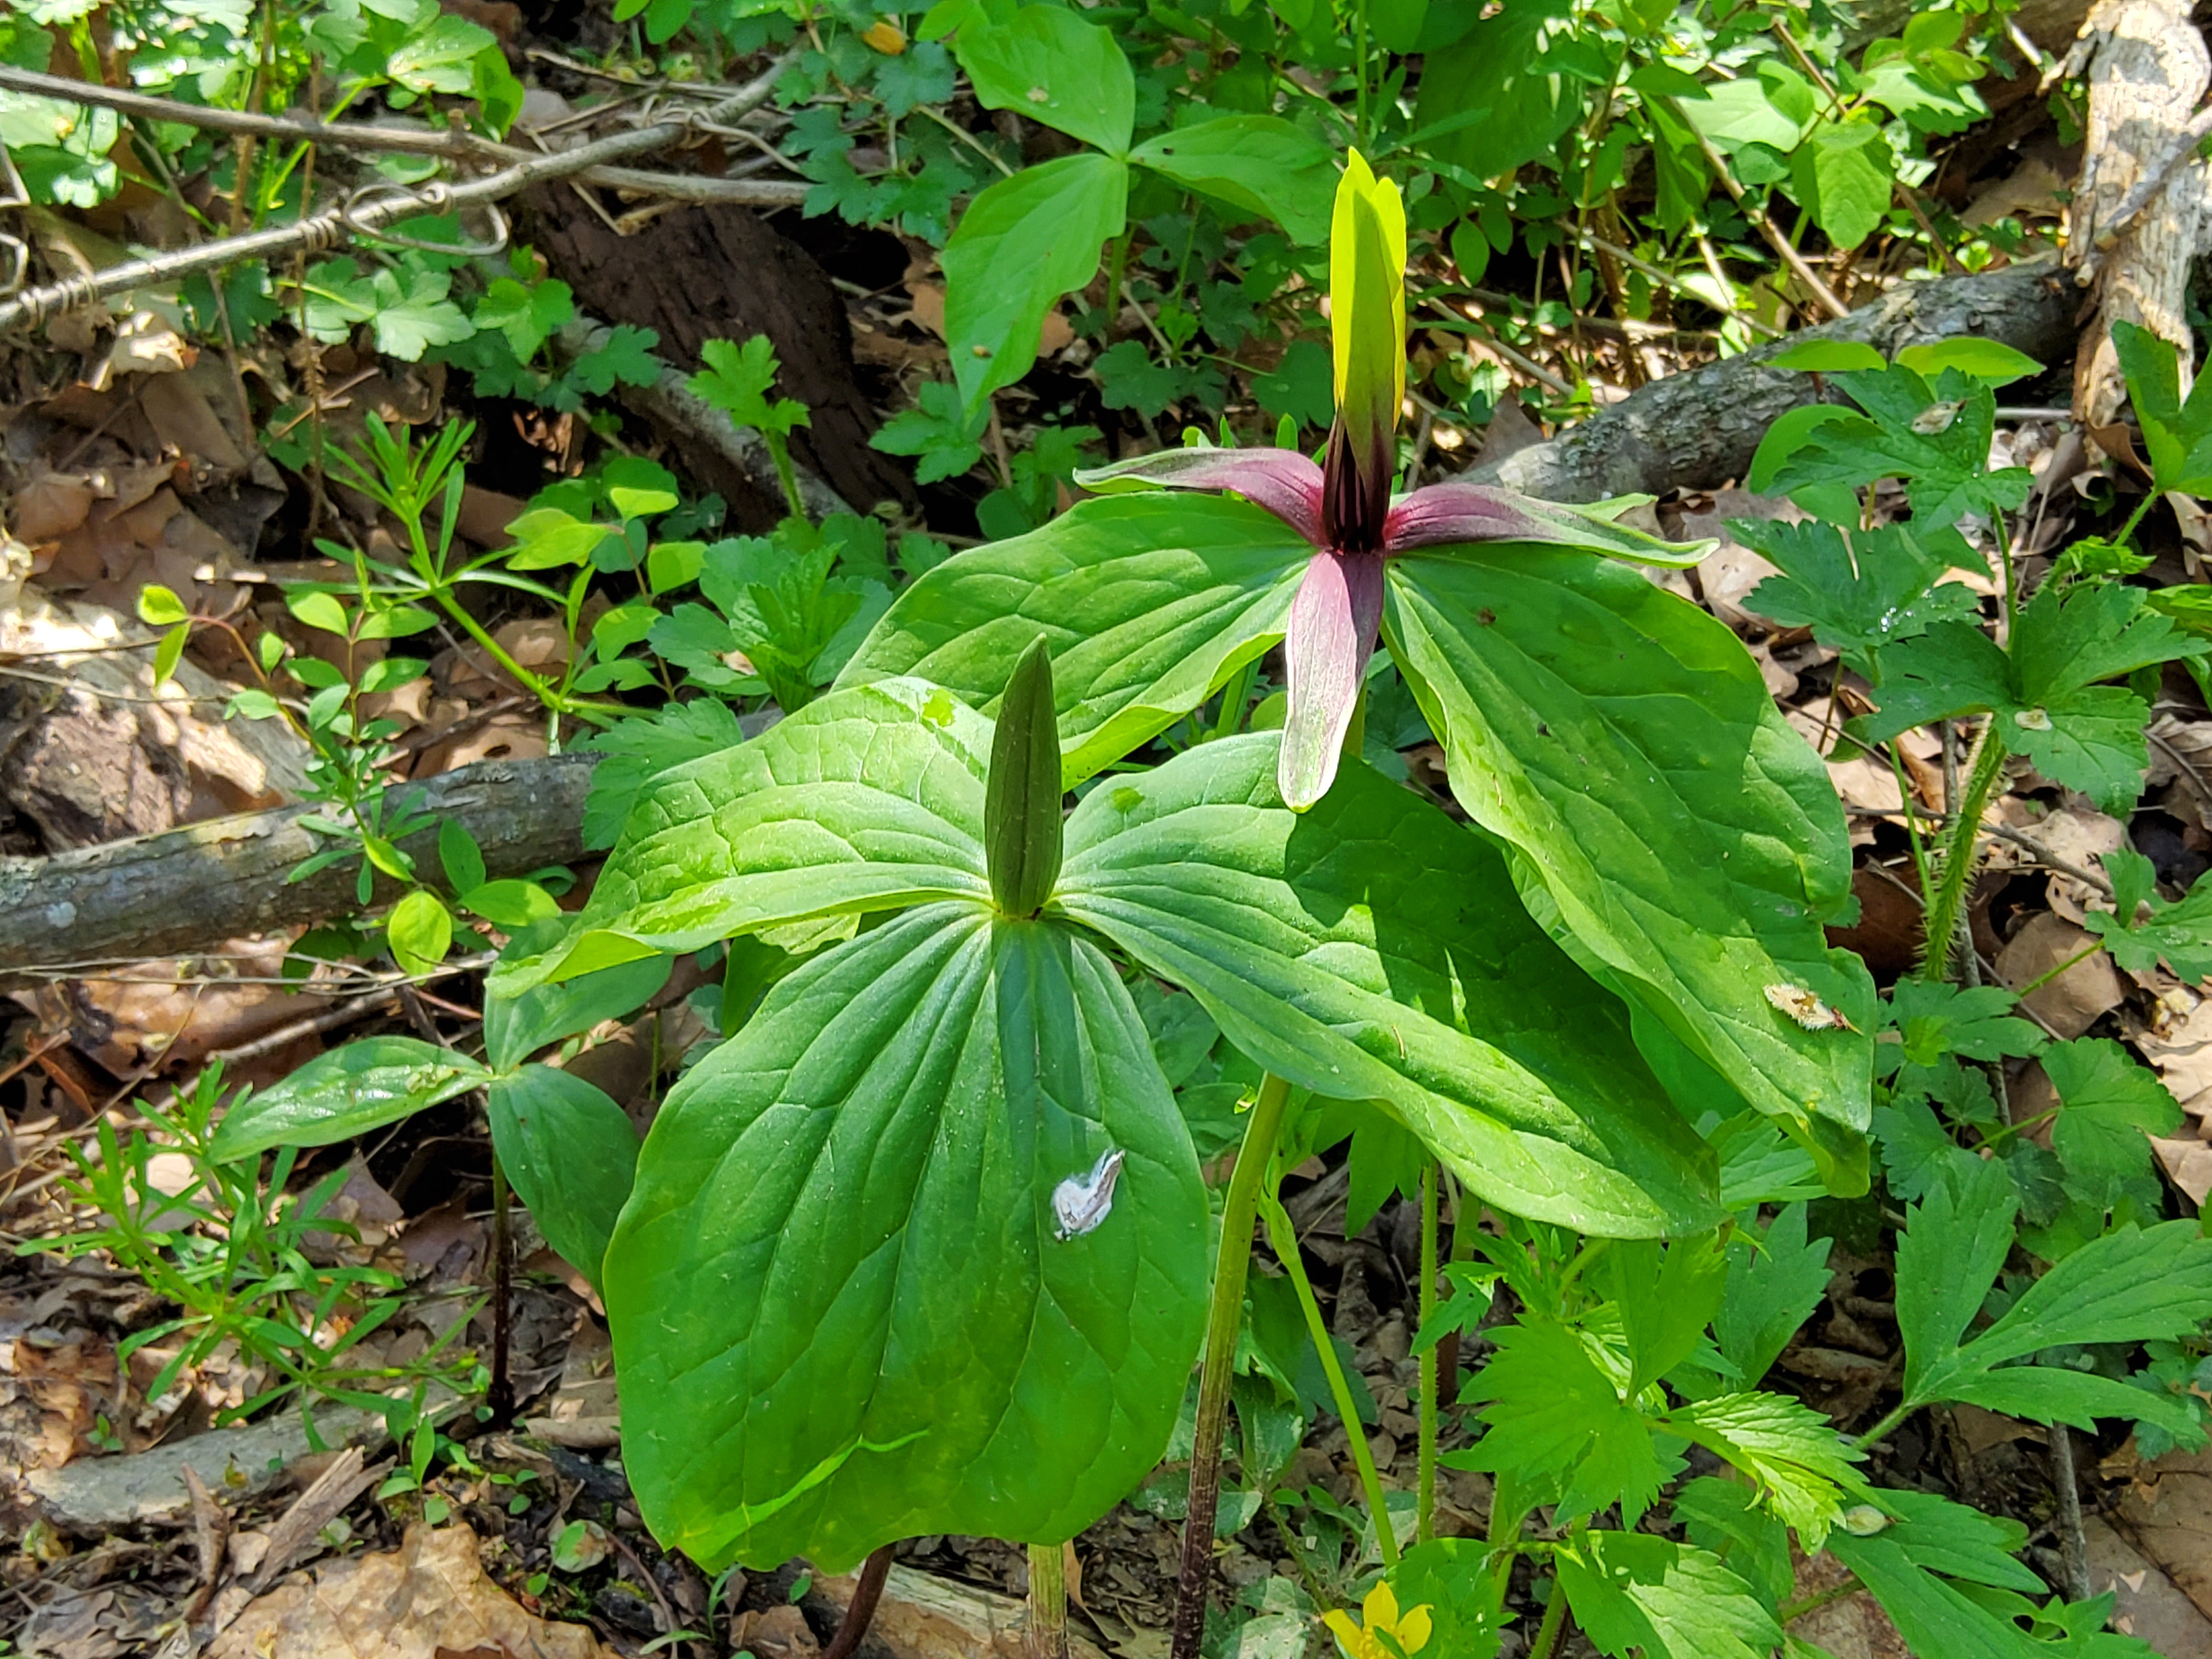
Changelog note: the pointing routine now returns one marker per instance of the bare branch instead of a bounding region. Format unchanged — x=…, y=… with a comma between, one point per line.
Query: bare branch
x=365, y=217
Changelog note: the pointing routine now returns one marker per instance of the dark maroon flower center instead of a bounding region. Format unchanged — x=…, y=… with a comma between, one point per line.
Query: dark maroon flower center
x=1355, y=494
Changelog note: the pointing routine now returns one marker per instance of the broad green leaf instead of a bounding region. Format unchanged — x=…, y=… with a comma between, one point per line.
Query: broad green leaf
x=420, y=930
x=1827, y=356
x=1260, y=163
x=1622, y=743
x=1992, y=361
x=1795, y=1456
x=2178, y=435
x=1843, y=172
x=1020, y=246
x=842, y=1254
x=2109, y=1102
x=1150, y=603
x=1371, y=949
x=1771, y=1290
x=868, y=799
x=1050, y=65
x=1632, y=1591
x=345, y=1091
x=160, y=607
x=518, y=1023
x=1752, y=109
x=569, y=1152
x=1487, y=100
x=1556, y=1421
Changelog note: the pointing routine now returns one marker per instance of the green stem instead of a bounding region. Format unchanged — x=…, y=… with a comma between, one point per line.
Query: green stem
x=1902, y=1409
x=1947, y=903
x=1912, y=818
x=1233, y=697
x=1225, y=1316
x=1425, y=1521
x=1048, y=1622
x=1790, y=1611
x=1555, y=1616
x=2044, y=979
x=2143, y=506
x=778, y=449
x=1284, y=1240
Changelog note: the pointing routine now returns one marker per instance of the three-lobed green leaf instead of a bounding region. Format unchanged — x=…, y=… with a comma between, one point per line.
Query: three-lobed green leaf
x=842, y=1254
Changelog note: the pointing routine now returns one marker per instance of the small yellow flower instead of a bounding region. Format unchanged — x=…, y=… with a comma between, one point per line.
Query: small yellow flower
x=1407, y=1633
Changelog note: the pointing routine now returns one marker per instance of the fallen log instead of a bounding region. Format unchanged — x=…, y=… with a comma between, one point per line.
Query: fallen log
x=1700, y=430
x=78, y=914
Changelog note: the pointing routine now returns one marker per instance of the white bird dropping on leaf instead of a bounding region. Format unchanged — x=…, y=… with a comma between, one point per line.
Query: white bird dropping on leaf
x=1082, y=1201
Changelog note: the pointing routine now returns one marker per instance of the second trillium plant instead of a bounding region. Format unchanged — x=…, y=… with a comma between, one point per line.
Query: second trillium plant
x=923, y=1247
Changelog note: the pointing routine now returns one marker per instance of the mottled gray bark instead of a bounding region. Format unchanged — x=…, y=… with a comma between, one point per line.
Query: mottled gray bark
x=191, y=889
x=1698, y=431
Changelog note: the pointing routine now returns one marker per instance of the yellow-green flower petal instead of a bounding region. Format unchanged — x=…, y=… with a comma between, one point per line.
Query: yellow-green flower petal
x=1367, y=300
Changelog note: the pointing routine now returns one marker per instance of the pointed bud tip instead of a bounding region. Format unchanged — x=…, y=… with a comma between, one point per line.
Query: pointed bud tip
x=1022, y=828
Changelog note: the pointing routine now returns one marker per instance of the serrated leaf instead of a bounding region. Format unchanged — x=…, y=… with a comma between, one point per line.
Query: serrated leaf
x=841, y=1251
x=737, y=378
x=1726, y=1518
x=1935, y=437
x=2130, y=1285
x=2108, y=1102
x=345, y=1091
x=2179, y=933
x=1369, y=949
x=1556, y=1420
x=2043, y=695
x=570, y=1153
x=938, y=432
x=1771, y=1290
x=1793, y=1454
x=1632, y=1591
x=1857, y=591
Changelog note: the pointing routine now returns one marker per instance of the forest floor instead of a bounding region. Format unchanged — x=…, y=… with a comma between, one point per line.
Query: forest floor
x=135, y=1524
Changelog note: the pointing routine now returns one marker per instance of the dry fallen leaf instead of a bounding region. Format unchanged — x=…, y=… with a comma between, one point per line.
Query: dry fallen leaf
x=2073, y=1000
x=430, y=1593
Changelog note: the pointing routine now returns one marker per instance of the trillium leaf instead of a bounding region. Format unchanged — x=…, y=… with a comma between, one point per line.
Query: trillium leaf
x=1372, y=949
x=1624, y=743
x=1148, y=602
x=868, y=800
x=570, y=1152
x=840, y=1305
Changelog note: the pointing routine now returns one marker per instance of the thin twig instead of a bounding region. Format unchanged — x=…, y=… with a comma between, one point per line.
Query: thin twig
x=366, y=217
x=1790, y=256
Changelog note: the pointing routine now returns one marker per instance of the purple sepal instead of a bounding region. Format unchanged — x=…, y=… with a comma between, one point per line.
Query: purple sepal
x=1283, y=481
x=1334, y=621
x=1442, y=513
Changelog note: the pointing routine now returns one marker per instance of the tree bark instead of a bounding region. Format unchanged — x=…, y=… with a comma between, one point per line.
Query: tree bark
x=189, y=890
x=1700, y=430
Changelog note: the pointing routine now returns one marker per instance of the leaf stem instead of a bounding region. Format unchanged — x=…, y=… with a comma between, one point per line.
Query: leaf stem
x=1890, y=1419
x=1555, y=1617
x=1425, y=1521
x=1225, y=1315
x=1284, y=1240
x=1048, y=1620
x=1947, y=903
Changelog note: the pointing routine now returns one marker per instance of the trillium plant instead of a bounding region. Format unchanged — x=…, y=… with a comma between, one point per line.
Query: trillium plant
x=923, y=1246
